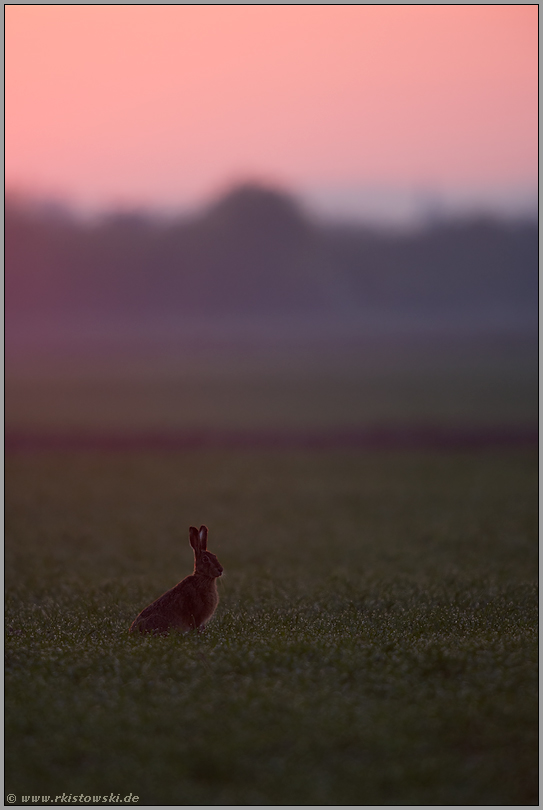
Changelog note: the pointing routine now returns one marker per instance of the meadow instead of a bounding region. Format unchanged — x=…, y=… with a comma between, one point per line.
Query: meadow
x=375, y=642
x=444, y=382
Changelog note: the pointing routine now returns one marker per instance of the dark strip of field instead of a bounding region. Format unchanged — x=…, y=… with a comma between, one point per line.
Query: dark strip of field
x=376, y=438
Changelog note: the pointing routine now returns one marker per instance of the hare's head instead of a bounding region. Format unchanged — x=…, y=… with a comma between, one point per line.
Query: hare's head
x=205, y=562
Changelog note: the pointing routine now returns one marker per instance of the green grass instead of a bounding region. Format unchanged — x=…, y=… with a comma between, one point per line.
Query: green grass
x=375, y=642
x=294, y=389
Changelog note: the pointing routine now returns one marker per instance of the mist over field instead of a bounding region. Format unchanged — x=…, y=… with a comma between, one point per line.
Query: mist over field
x=252, y=315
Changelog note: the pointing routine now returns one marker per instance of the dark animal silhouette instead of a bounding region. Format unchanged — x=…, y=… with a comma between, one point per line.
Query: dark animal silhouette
x=193, y=601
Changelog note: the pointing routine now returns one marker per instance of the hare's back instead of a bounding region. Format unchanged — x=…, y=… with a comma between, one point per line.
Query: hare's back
x=170, y=603
x=188, y=605
x=168, y=599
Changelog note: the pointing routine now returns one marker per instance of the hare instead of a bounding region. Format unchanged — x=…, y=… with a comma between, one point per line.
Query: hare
x=192, y=602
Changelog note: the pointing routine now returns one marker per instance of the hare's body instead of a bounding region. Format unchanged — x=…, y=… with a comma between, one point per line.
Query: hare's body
x=192, y=602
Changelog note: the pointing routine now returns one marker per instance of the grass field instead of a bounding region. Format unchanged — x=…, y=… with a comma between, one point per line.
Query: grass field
x=455, y=383
x=375, y=643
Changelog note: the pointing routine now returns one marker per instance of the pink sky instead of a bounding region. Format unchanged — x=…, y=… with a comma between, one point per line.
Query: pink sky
x=165, y=105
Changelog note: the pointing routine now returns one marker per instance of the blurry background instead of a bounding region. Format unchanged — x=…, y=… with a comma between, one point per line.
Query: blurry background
x=271, y=221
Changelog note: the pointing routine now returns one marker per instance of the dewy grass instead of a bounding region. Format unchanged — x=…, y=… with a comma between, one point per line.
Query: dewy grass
x=375, y=642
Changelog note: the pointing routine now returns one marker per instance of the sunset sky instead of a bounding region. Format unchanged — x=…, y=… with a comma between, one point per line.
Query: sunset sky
x=165, y=105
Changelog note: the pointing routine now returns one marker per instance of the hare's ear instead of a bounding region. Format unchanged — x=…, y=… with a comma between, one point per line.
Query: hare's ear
x=203, y=537
x=193, y=538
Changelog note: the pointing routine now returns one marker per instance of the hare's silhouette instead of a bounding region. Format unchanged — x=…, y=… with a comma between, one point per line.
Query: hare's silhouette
x=193, y=601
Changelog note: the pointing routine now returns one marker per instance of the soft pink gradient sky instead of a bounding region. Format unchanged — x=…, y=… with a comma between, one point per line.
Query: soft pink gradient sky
x=165, y=105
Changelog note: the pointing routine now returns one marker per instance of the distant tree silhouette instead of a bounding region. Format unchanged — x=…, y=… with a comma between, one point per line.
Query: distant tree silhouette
x=254, y=253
